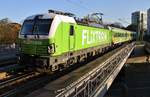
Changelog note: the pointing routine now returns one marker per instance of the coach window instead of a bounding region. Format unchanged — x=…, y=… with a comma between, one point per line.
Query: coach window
x=71, y=30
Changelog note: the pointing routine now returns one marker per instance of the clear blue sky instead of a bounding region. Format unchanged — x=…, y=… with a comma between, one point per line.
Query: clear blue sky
x=17, y=10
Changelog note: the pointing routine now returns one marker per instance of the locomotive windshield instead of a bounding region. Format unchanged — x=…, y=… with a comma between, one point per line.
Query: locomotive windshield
x=36, y=27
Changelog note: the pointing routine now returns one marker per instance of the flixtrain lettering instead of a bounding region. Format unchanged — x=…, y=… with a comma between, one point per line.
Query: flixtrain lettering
x=90, y=37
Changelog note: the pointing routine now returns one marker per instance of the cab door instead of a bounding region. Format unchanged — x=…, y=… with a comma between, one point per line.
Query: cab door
x=71, y=38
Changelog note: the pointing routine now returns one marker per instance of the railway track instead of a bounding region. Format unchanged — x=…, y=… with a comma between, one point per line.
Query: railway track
x=25, y=88
x=17, y=79
x=25, y=84
x=75, y=82
x=8, y=71
x=7, y=87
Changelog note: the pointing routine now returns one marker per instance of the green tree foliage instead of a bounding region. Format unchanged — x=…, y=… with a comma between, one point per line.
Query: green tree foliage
x=8, y=31
x=5, y=20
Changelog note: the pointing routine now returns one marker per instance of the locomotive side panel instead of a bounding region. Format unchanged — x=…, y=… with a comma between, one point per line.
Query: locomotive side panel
x=87, y=37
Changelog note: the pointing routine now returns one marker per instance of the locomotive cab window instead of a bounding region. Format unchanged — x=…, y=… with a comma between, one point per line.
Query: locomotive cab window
x=34, y=27
x=71, y=30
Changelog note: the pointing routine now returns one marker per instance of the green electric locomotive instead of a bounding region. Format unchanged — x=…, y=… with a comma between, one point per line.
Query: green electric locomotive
x=56, y=40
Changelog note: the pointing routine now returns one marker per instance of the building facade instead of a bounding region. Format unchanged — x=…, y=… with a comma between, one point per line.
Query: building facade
x=139, y=19
x=148, y=21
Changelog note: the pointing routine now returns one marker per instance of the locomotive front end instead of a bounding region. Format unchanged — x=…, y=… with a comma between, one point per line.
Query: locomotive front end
x=35, y=46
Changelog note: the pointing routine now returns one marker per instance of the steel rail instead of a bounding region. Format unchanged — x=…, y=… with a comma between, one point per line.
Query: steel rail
x=28, y=85
x=17, y=79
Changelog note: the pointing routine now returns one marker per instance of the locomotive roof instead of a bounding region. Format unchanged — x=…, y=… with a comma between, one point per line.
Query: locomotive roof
x=69, y=19
x=40, y=16
x=52, y=16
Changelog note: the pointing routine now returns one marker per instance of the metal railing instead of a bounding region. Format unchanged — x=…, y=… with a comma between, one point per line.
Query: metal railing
x=97, y=79
x=147, y=47
x=8, y=48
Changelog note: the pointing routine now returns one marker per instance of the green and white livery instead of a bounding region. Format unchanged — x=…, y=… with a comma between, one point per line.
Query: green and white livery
x=55, y=40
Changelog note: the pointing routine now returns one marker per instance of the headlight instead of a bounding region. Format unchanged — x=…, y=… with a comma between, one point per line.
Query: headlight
x=51, y=49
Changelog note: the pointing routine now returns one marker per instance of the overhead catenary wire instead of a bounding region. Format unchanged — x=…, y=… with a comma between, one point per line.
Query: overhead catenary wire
x=78, y=4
